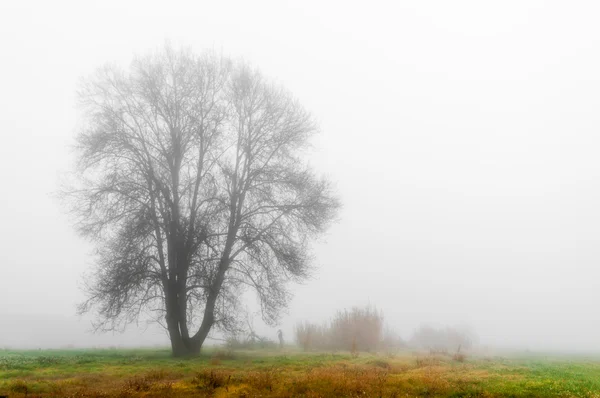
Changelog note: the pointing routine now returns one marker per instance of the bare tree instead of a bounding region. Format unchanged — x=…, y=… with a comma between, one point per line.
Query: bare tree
x=191, y=183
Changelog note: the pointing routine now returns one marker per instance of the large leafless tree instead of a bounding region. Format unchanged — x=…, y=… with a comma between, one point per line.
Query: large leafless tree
x=191, y=183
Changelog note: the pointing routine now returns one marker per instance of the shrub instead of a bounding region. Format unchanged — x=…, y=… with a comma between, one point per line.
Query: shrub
x=360, y=329
x=138, y=384
x=210, y=381
x=312, y=336
x=262, y=380
x=18, y=386
x=357, y=330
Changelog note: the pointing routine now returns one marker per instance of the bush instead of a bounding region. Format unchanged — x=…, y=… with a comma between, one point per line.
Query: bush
x=18, y=386
x=138, y=384
x=211, y=380
x=360, y=329
x=357, y=330
x=312, y=336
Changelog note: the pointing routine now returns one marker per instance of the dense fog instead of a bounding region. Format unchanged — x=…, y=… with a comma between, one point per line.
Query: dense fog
x=461, y=138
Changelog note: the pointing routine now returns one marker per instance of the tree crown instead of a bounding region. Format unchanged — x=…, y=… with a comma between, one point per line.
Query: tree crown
x=190, y=179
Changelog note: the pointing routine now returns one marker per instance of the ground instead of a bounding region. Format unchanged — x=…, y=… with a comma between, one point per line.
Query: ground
x=289, y=373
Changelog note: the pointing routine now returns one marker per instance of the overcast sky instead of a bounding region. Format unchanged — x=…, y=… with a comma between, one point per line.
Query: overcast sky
x=462, y=137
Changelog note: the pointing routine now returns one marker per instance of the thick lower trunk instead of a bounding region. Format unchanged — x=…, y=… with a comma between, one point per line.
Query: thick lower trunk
x=178, y=349
x=178, y=346
x=176, y=301
x=209, y=311
x=181, y=343
x=181, y=347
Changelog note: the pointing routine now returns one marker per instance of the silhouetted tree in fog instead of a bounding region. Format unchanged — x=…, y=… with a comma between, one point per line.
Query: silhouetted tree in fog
x=191, y=184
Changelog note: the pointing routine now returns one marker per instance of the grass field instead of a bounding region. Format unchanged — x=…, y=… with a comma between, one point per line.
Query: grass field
x=219, y=373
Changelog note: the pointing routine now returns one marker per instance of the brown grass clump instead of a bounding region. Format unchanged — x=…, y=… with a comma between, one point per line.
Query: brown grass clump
x=147, y=382
x=263, y=380
x=211, y=380
x=137, y=384
x=18, y=386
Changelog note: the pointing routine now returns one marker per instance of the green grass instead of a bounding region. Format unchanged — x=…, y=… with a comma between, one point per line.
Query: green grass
x=288, y=373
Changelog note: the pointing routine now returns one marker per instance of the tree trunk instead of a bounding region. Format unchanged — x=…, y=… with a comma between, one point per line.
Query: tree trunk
x=181, y=347
x=178, y=347
x=176, y=297
x=209, y=311
x=180, y=342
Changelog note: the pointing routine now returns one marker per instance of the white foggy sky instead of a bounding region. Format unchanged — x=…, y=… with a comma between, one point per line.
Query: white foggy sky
x=462, y=136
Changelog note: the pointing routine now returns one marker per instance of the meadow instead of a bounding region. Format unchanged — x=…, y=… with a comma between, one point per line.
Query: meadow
x=291, y=373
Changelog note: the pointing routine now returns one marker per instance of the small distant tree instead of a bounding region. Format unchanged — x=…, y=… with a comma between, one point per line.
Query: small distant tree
x=191, y=184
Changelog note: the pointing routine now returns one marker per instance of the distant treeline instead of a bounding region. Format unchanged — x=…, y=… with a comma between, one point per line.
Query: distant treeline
x=363, y=329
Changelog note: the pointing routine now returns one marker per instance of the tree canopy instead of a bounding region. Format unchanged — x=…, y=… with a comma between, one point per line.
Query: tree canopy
x=191, y=183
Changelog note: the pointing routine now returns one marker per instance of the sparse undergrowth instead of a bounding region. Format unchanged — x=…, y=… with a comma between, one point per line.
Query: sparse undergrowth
x=153, y=373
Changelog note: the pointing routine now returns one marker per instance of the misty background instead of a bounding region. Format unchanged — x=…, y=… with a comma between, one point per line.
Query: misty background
x=462, y=137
